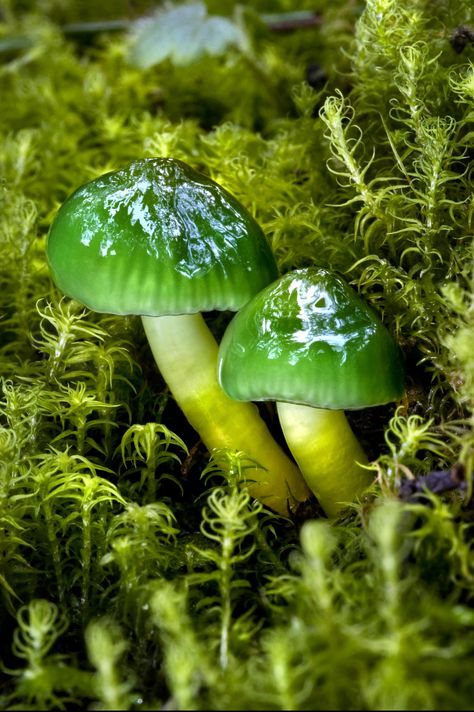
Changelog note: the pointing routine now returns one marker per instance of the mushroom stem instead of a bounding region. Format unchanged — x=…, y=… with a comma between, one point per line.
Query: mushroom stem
x=327, y=452
x=185, y=351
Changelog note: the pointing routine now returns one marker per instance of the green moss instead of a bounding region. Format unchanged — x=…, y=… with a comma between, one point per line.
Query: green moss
x=135, y=571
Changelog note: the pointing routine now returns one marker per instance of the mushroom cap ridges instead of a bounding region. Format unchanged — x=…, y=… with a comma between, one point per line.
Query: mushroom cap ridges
x=309, y=338
x=157, y=237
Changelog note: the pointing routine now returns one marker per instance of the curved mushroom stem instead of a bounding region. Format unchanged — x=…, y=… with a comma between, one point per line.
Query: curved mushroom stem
x=327, y=453
x=185, y=351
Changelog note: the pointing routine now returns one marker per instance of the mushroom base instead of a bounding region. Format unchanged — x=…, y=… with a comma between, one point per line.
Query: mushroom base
x=327, y=453
x=185, y=351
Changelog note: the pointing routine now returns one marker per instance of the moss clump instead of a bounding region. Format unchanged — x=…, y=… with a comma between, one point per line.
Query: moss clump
x=135, y=571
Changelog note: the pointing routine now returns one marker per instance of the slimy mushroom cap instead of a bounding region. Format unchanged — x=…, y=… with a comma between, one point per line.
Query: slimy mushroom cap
x=155, y=238
x=308, y=338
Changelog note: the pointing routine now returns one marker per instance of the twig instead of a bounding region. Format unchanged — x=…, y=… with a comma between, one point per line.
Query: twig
x=287, y=21
x=276, y=22
x=436, y=482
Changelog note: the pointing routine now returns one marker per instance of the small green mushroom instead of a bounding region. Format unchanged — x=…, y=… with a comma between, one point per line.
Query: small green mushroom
x=160, y=240
x=310, y=343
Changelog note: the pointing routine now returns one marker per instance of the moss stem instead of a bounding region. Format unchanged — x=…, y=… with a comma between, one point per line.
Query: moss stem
x=327, y=453
x=186, y=354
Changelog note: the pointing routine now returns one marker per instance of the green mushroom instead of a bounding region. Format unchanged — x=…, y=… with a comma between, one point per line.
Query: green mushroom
x=310, y=343
x=160, y=240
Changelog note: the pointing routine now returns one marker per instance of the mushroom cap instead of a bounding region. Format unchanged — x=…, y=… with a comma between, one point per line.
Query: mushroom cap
x=308, y=338
x=157, y=237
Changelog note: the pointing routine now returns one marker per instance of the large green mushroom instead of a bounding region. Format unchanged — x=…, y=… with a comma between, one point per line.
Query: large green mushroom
x=310, y=343
x=160, y=240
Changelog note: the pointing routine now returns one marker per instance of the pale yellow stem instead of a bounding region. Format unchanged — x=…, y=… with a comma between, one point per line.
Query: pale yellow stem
x=185, y=351
x=327, y=452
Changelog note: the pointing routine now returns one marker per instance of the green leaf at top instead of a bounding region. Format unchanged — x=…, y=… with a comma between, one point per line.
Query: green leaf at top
x=183, y=34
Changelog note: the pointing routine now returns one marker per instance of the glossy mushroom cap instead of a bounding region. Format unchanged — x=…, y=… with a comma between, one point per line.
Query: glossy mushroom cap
x=308, y=338
x=156, y=238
